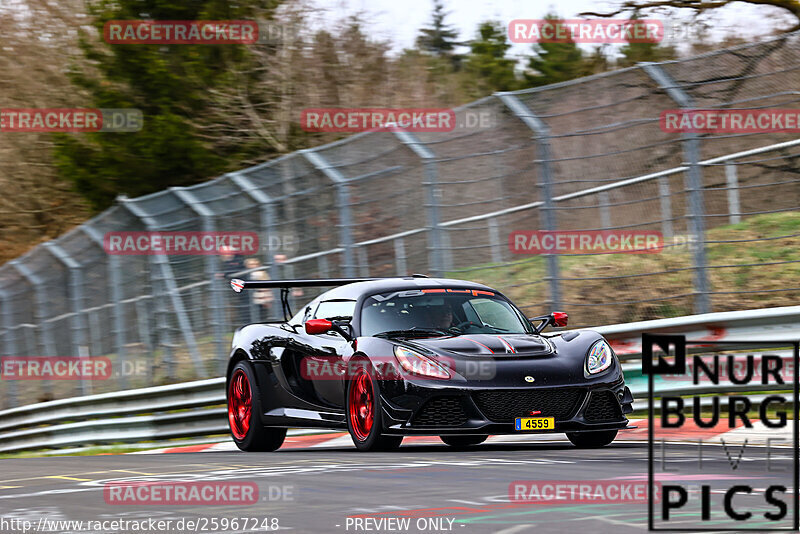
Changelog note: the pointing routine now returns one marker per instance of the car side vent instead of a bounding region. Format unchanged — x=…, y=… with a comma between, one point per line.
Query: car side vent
x=603, y=407
x=441, y=411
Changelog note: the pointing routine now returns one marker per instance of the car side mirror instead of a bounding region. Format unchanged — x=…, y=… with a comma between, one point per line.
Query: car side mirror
x=554, y=318
x=323, y=326
x=560, y=318
x=318, y=326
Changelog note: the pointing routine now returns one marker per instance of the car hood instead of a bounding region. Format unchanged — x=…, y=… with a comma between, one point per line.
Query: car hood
x=496, y=345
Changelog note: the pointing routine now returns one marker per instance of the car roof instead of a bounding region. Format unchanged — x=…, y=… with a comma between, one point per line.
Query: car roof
x=357, y=289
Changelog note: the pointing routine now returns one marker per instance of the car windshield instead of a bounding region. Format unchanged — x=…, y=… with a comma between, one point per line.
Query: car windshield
x=441, y=312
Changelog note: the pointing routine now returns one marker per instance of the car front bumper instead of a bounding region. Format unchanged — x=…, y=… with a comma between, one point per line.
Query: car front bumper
x=422, y=410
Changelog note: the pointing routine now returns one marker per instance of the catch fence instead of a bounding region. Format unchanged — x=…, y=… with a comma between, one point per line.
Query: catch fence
x=587, y=154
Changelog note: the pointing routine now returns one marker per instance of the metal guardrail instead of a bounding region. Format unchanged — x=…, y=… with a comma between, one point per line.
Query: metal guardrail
x=195, y=408
x=201, y=393
x=137, y=415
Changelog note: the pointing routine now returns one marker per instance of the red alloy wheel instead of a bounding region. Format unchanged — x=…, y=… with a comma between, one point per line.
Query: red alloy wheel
x=362, y=405
x=240, y=404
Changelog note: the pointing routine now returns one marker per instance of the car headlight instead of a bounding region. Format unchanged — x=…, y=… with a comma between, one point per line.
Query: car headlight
x=418, y=364
x=599, y=357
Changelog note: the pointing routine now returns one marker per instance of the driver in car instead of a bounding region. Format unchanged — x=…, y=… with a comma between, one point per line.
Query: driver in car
x=442, y=316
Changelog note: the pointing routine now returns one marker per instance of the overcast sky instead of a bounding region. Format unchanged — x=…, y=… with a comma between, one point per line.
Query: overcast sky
x=398, y=21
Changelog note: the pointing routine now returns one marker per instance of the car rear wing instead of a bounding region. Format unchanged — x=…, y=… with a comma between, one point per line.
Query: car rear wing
x=238, y=285
x=285, y=285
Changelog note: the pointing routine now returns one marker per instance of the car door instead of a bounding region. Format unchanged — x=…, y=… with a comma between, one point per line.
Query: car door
x=324, y=366
x=290, y=356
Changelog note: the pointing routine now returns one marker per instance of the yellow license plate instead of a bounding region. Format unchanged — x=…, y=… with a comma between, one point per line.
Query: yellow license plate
x=535, y=423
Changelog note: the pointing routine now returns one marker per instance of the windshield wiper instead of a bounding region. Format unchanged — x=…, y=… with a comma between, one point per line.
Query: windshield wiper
x=457, y=331
x=497, y=328
x=413, y=332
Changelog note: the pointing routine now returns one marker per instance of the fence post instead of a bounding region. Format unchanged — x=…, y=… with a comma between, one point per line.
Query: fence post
x=549, y=221
x=163, y=271
x=438, y=250
x=400, y=257
x=605, y=211
x=494, y=240
x=733, y=193
x=10, y=344
x=345, y=215
x=666, y=207
x=78, y=336
x=143, y=324
x=322, y=266
x=447, y=248
x=211, y=265
x=47, y=345
x=694, y=184
x=115, y=290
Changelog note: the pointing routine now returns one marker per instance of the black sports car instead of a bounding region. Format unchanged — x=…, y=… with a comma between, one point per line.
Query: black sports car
x=386, y=358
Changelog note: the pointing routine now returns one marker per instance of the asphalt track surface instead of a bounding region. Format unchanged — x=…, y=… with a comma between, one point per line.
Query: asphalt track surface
x=436, y=488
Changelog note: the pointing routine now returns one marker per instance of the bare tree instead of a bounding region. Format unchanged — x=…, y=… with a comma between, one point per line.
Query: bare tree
x=790, y=7
x=39, y=44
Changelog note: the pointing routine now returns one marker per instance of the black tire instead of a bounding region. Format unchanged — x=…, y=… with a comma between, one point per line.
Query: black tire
x=373, y=439
x=461, y=442
x=256, y=438
x=592, y=440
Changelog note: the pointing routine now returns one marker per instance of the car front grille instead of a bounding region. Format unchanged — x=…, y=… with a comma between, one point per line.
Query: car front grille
x=505, y=405
x=441, y=411
x=603, y=407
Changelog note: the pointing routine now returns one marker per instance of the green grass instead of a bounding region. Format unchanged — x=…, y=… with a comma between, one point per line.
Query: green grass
x=92, y=451
x=114, y=448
